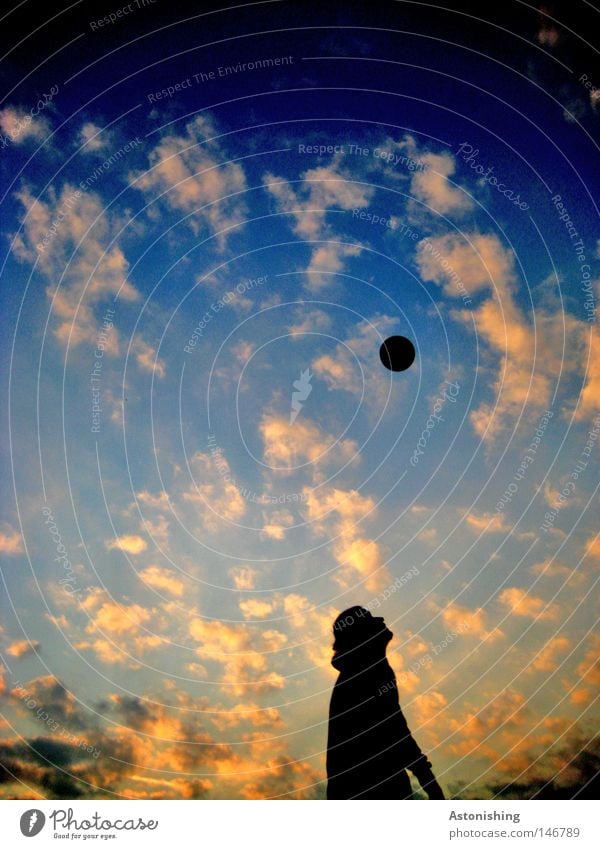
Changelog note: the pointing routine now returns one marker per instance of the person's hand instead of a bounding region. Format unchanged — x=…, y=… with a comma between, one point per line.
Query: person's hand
x=433, y=790
x=428, y=782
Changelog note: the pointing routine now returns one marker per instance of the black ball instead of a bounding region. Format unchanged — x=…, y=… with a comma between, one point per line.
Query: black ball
x=397, y=353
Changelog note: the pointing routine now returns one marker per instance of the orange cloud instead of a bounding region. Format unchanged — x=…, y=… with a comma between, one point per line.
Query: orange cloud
x=546, y=660
x=117, y=619
x=147, y=359
x=214, y=491
x=130, y=543
x=255, y=608
x=523, y=604
x=288, y=445
x=489, y=523
x=51, y=231
x=191, y=174
x=464, y=620
x=250, y=713
x=527, y=359
x=592, y=546
x=163, y=579
x=243, y=577
x=244, y=653
x=337, y=513
x=22, y=648
x=11, y=541
x=277, y=523
x=433, y=188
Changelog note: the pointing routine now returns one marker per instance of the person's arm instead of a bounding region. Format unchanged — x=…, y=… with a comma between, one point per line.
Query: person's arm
x=416, y=761
x=427, y=780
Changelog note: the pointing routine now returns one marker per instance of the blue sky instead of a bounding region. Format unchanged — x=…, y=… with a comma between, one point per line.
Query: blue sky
x=173, y=561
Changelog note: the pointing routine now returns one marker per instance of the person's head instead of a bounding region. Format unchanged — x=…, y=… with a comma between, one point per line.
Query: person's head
x=357, y=633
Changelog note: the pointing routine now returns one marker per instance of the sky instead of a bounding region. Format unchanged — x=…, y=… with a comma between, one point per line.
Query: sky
x=212, y=220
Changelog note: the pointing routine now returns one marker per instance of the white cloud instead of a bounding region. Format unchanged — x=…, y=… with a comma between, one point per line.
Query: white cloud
x=163, y=579
x=192, y=174
x=11, y=541
x=325, y=188
x=527, y=359
x=52, y=230
x=326, y=260
x=129, y=543
x=19, y=125
x=147, y=359
x=214, y=494
x=433, y=187
x=289, y=445
x=92, y=138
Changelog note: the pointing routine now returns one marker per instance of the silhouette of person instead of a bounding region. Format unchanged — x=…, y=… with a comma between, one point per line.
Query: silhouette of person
x=369, y=745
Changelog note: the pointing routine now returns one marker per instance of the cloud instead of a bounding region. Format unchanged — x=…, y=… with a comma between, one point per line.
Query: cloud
x=120, y=631
x=139, y=747
x=429, y=535
x=11, y=541
x=115, y=620
x=347, y=506
x=341, y=370
x=314, y=627
x=214, y=493
x=243, y=351
x=72, y=237
x=478, y=260
x=588, y=671
x=552, y=569
x=546, y=660
x=255, y=608
x=159, y=502
x=156, y=525
x=433, y=188
x=323, y=189
x=243, y=577
x=163, y=579
x=243, y=652
x=22, y=648
x=190, y=173
x=567, y=770
x=311, y=321
x=276, y=524
x=468, y=621
x=552, y=494
x=506, y=712
x=146, y=358
x=522, y=604
x=129, y=543
x=488, y=523
x=148, y=750
x=589, y=397
x=547, y=35
x=248, y=712
x=592, y=546
x=336, y=513
x=289, y=445
x=92, y=138
x=284, y=778
x=19, y=126
x=326, y=260
x=526, y=359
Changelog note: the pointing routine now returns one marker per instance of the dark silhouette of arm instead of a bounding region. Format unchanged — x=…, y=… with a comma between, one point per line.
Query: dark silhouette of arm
x=407, y=750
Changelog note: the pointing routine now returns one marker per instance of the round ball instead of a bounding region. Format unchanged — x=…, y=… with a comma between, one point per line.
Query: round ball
x=397, y=353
